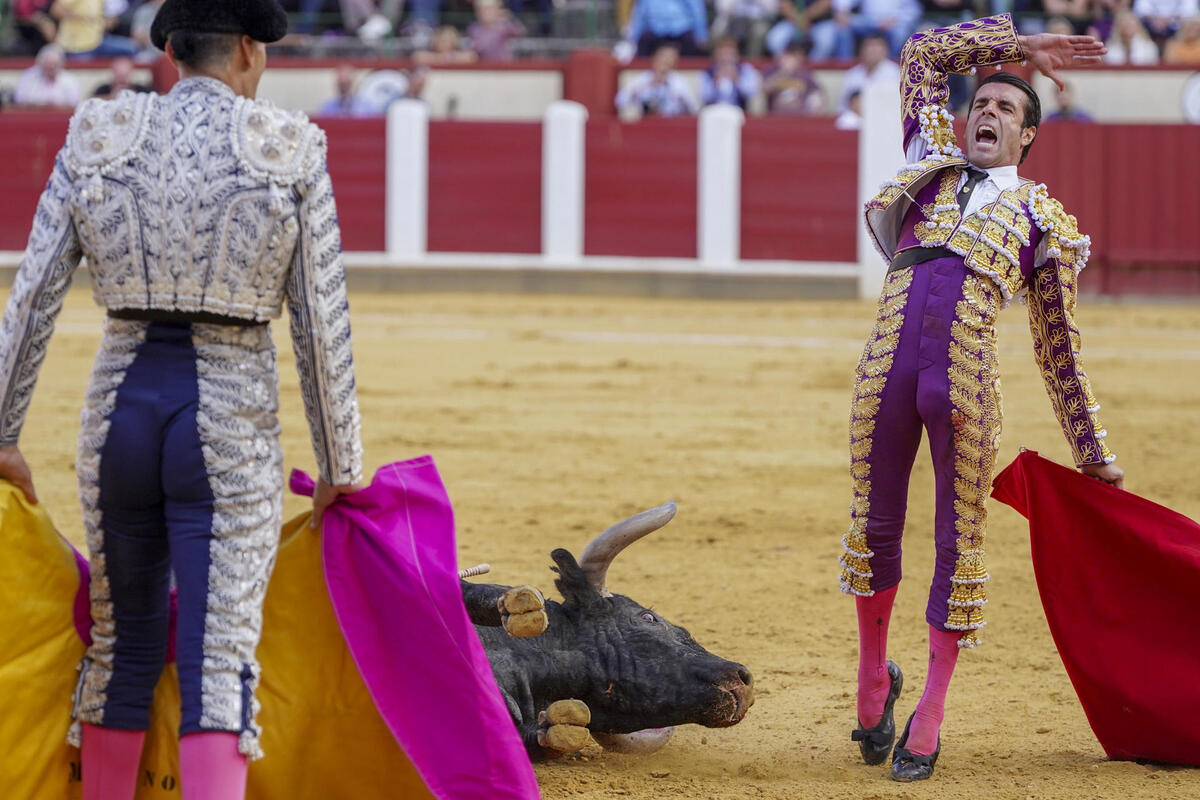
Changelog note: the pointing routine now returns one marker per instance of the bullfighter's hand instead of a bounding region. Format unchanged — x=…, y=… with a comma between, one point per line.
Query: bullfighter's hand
x=1050, y=52
x=1109, y=473
x=523, y=611
x=14, y=470
x=325, y=494
x=562, y=727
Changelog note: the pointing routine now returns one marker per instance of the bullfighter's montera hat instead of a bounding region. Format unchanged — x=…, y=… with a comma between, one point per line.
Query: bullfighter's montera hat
x=261, y=20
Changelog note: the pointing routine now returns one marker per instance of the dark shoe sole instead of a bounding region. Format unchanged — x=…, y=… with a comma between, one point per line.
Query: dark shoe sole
x=873, y=753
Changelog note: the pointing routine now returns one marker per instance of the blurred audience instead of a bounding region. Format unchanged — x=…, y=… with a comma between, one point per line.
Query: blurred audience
x=747, y=21
x=790, y=85
x=84, y=28
x=874, y=67
x=1076, y=13
x=729, y=80
x=1184, y=47
x=1061, y=26
x=895, y=20
x=659, y=91
x=1129, y=43
x=1067, y=110
x=682, y=24
x=46, y=83
x=493, y=28
x=1162, y=17
x=346, y=103
x=797, y=18
x=446, y=47
x=140, y=22
x=851, y=117
x=33, y=25
x=121, y=80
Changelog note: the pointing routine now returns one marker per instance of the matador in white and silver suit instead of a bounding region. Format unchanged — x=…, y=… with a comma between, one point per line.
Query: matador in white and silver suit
x=199, y=212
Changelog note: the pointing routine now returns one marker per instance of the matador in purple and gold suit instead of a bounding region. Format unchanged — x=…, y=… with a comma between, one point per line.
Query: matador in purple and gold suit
x=963, y=235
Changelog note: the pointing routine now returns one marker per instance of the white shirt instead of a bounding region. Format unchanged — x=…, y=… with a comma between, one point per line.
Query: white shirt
x=999, y=179
x=858, y=79
x=1173, y=9
x=34, y=90
x=670, y=98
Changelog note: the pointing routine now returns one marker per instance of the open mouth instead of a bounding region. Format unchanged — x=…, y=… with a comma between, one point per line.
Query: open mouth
x=986, y=134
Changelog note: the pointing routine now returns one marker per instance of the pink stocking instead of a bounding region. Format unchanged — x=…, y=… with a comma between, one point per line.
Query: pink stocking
x=874, y=614
x=211, y=768
x=110, y=762
x=927, y=719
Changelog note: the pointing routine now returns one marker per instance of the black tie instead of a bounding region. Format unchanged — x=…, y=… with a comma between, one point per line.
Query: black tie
x=975, y=176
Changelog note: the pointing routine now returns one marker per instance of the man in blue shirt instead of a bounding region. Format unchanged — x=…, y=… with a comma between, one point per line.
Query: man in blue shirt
x=681, y=23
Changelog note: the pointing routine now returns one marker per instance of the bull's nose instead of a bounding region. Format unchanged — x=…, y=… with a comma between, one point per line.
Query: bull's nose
x=745, y=675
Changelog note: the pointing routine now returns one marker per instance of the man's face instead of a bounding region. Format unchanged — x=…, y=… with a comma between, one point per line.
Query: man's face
x=664, y=60
x=345, y=80
x=995, y=136
x=122, y=72
x=50, y=64
x=874, y=51
x=726, y=54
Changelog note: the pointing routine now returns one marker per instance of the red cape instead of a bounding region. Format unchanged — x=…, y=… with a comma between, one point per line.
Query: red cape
x=1119, y=578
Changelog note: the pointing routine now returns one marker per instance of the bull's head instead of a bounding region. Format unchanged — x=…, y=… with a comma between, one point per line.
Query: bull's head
x=645, y=672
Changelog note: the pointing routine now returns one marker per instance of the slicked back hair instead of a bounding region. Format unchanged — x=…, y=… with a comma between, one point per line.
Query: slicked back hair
x=203, y=50
x=1033, y=105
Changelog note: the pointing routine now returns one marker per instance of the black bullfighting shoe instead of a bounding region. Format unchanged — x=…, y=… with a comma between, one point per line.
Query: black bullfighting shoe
x=875, y=743
x=908, y=766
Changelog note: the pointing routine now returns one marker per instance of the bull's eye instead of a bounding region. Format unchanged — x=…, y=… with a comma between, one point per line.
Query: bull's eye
x=646, y=615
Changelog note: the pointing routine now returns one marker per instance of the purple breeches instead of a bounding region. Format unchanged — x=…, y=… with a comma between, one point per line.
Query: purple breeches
x=929, y=363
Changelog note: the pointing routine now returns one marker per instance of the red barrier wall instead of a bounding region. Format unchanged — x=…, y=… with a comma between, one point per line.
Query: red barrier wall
x=799, y=190
x=485, y=187
x=30, y=142
x=358, y=169
x=640, y=192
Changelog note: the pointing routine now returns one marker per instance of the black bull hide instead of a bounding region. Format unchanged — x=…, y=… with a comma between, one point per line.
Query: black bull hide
x=633, y=669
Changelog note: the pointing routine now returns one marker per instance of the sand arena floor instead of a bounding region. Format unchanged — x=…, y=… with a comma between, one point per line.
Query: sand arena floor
x=551, y=418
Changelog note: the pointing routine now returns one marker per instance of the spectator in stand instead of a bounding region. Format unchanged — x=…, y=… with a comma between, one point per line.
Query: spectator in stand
x=34, y=26
x=747, y=21
x=851, y=117
x=798, y=17
x=121, y=80
x=491, y=31
x=139, y=26
x=84, y=28
x=1060, y=25
x=947, y=12
x=1184, y=47
x=1103, y=14
x=680, y=23
x=1067, y=111
x=896, y=20
x=790, y=85
x=1162, y=17
x=346, y=103
x=45, y=83
x=1076, y=12
x=729, y=80
x=446, y=47
x=1129, y=43
x=659, y=91
x=418, y=79
x=874, y=67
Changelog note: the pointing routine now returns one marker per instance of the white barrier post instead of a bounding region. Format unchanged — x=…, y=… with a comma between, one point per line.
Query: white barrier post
x=407, y=187
x=880, y=154
x=719, y=185
x=563, y=135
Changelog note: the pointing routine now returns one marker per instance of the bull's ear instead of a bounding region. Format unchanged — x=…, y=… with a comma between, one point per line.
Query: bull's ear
x=572, y=582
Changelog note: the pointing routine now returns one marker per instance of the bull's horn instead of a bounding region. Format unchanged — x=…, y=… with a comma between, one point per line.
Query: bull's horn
x=482, y=569
x=601, y=551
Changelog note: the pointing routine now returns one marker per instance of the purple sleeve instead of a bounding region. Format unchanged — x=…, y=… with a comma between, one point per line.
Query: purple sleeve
x=1056, y=344
x=929, y=57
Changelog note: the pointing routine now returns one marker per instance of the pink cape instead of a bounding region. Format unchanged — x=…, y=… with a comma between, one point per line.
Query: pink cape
x=1119, y=578
x=390, y=567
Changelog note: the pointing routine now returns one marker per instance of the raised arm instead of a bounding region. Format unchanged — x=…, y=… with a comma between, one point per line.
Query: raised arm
x=320, y=326
x=1056, y=341
x=925, y=64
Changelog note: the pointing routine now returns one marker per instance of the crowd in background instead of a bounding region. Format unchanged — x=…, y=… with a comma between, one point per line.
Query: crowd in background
x=759, y=51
